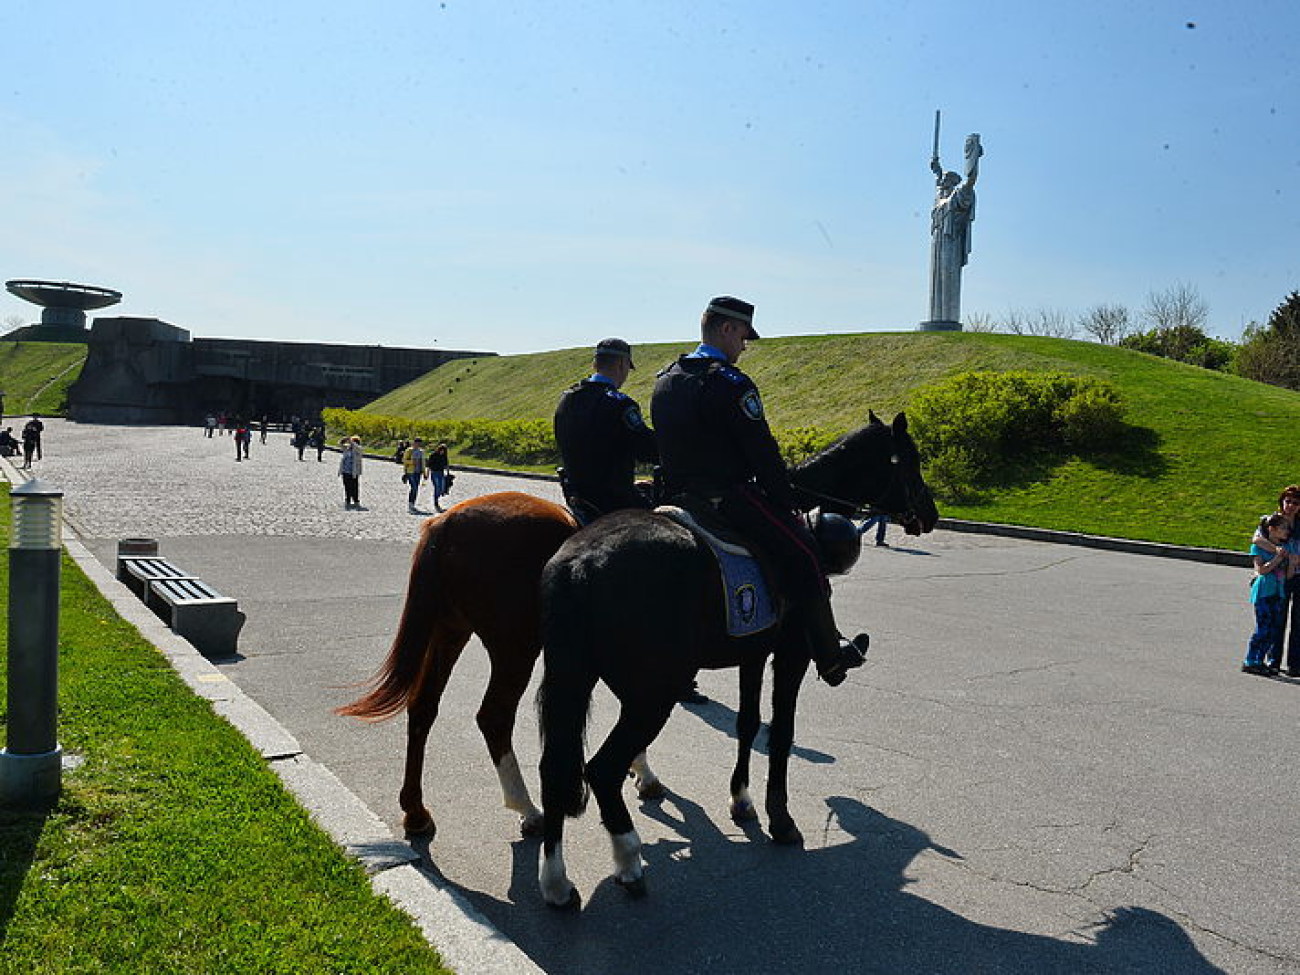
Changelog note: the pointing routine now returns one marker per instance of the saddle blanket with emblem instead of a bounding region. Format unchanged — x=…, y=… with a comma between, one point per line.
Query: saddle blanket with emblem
x=751, y=607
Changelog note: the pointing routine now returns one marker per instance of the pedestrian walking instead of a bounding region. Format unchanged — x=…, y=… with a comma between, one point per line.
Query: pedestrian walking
x=413, y=473
x=350, y=471
x=300, y=440
x=243, y=437
x=209, y=425
x=30, y=436
x=261, y=430
x=38, y=428
x=318, y=441
x=879, y=521
x=439, y=470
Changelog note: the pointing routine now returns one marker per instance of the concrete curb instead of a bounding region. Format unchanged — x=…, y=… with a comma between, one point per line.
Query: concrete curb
x=1214, y=556
x=467, y=941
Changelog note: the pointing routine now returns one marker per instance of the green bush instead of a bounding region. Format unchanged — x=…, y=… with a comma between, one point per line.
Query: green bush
x=525, y=443
x=973, y=425
x=1183, y=343
x=799, y=443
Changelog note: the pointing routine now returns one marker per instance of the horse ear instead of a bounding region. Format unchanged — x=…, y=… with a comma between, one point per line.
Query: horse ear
x=873, y=420
x=900, y=423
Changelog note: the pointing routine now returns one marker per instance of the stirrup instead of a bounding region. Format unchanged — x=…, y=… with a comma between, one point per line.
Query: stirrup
x=850, y=655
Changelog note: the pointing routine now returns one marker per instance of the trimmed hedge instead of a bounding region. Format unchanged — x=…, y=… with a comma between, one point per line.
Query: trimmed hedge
x=973, y=426
x=525, y=443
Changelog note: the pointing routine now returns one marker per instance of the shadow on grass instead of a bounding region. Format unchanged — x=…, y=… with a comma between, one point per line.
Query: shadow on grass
x=1138, y=457
x=1136, y=454
x=20, y=832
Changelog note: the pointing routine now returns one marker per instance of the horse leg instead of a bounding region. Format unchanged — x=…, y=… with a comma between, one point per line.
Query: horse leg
x=747, y=722
x=787, y=676
x=635, y=729
x=563, y=704
x=649, y=787
x=445, y=646
x=512, y=666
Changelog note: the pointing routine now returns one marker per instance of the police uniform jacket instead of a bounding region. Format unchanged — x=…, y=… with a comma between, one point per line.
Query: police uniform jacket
x=713, y=435
x=601, y=435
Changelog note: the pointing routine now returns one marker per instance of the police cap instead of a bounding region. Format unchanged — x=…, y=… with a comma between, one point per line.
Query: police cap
x=729, y=307
x=616, y=347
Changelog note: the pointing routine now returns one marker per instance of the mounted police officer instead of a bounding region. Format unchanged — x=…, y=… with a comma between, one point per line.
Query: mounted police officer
x=716, y=446
x=601, y=435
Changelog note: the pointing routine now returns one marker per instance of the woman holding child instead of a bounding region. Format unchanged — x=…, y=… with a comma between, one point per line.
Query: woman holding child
x=1275, y=551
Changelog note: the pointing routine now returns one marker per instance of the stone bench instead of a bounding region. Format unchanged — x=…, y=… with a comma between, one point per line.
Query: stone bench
x=198, y=613
x=138, y=571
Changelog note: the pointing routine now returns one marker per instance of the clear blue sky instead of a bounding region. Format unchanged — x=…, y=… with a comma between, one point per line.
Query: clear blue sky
x=515, y=177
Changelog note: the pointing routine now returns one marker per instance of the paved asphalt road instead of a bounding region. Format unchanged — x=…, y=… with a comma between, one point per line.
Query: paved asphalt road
x=1051, y=762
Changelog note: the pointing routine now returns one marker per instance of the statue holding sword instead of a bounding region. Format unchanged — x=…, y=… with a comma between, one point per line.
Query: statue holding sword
x=950, y=233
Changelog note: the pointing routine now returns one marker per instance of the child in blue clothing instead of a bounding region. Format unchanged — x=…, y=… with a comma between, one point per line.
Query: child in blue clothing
x=1268, y=593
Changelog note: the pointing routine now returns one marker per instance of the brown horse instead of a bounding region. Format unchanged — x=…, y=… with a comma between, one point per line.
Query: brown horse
x=455, y=591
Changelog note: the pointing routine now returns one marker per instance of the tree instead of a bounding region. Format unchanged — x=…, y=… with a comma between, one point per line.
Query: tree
x=1107, y=324
x=1271, y=354
x=1045, y=322
x=1179, y=305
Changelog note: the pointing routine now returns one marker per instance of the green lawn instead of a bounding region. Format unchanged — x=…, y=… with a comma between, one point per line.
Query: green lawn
x=173, y=847
x=35, y=376
x=1209, y=452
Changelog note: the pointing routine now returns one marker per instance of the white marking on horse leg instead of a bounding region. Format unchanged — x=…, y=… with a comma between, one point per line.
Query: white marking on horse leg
x=742, y=805
x=514, y=792
x=627, y=856
x=643, y=775
x=554, y=880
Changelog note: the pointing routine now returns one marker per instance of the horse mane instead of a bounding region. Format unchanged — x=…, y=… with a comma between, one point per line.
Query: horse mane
x=845, y=461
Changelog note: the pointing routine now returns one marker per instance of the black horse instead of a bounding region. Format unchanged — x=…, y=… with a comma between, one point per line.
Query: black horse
x=636, y=601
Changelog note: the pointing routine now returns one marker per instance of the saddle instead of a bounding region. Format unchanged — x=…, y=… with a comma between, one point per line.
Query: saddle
x=751, y=603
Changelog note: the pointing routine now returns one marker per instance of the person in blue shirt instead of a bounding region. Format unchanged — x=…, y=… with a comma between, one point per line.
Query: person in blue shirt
x=602, y=435
x=716, y=447
x=1268, y=591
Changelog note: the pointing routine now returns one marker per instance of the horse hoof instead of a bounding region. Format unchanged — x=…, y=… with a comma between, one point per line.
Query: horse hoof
x=419, y=824
x=651, y=791
x=530, y=827
x=636, y=889
x=743, y=811
x=786, y=835
x=572, y=903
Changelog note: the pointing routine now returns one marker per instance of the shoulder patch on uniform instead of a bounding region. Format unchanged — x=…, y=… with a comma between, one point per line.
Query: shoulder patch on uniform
x=751, y=405
x=632, y=418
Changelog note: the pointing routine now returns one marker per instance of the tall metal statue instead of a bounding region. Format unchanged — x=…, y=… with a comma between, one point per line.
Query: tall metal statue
x=950, y=220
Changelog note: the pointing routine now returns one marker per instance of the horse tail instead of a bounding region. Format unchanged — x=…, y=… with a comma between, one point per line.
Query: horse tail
x=564, y=697
x=403, y=671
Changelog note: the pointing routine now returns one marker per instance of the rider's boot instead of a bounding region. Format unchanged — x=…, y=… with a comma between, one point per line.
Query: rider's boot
x=833, y=655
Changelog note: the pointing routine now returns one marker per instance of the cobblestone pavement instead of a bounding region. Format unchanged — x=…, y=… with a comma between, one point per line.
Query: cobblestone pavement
x=167, y=481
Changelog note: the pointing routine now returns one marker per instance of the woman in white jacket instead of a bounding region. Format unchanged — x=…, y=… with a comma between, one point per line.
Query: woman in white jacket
x=350, y=471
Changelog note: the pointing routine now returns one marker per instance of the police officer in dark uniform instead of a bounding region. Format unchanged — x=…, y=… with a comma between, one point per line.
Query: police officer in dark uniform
x=715, y=445
x=601, y=435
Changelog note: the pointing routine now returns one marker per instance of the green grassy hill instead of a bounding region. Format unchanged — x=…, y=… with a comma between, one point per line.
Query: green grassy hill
x=1216, y=453
x=35, y=376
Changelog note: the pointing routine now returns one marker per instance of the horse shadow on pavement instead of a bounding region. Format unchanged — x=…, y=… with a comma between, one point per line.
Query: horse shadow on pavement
x=731, y=902
x=723, y=718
